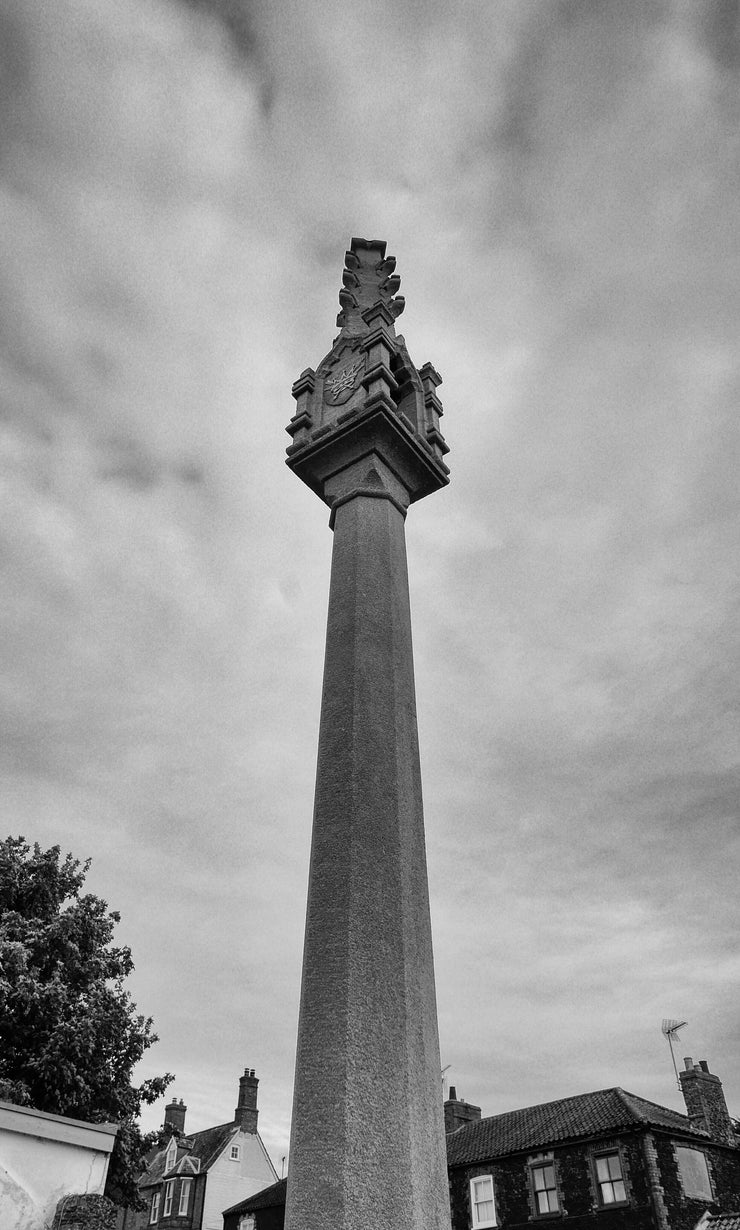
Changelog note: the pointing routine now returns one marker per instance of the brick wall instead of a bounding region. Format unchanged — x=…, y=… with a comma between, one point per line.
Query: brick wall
x=705, y=1100
x=576, y=1185
x=639, y=1151
x=724, y=1171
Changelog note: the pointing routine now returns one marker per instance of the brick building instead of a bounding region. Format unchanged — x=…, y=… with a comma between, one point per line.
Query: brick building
x=190, y=1180
x=607, y=1160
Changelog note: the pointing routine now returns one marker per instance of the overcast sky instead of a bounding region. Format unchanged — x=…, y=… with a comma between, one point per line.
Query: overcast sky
x=558, y=180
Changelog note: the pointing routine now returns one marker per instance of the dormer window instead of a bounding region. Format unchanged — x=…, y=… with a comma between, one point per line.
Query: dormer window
x=170, y=1156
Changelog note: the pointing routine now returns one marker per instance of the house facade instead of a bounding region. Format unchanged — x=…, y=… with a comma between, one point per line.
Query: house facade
x=193, y=1177
x=607, y=1160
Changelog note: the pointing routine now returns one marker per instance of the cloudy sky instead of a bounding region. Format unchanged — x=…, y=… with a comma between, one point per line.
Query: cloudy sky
x=558, y=180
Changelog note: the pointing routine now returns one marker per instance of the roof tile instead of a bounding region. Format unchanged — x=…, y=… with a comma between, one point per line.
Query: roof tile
x=205, y=1146
x=534, y=1127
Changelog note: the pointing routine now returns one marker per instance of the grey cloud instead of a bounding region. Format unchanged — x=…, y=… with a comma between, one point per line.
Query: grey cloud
x=14, y=67
x=241, y=19
x=238, y=18
x=720, y=23
x=126, y=462
x=560, y=205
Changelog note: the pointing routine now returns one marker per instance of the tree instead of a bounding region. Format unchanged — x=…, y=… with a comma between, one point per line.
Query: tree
x=70, y=1034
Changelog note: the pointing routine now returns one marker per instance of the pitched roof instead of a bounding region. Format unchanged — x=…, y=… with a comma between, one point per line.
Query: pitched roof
x=723, y=1221
x=268, y=1198
x=205, y=1145
x=534, y=1127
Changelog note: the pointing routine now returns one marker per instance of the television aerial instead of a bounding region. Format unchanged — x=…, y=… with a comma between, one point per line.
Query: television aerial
x=670, y=1029
x=445, y=1070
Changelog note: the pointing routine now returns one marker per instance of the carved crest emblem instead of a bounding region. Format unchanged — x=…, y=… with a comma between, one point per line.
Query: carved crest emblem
x=342, y=383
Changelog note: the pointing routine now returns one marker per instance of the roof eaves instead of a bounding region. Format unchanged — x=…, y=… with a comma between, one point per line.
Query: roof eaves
x=663, y=1118
x=266, y=1155
x=579, y=1118
x=575, y=1139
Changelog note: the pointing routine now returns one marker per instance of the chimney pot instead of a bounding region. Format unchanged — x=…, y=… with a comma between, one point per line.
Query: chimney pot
x=688, y=1062
x=246, y=1112
x=458, y=1112
x=174, y=1114
x=705, y=1101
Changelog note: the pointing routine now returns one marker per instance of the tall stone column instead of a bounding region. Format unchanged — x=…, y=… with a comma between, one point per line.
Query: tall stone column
x=367, y=1144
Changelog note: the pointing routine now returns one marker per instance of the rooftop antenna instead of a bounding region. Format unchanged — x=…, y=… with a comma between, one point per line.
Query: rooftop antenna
x=670, y=1028
x=444, y=1081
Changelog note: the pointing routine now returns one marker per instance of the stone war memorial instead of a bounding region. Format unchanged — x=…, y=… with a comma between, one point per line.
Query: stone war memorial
x=367, y=1140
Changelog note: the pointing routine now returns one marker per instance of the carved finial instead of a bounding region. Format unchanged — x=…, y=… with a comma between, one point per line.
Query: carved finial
x=366, y=405
x=368, y=278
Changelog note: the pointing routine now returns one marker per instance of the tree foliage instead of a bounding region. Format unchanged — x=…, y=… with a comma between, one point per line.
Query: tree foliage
x=70, y=1034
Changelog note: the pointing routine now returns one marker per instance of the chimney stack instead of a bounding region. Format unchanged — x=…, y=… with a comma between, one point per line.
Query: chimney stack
x=246, y=1111
x=705, y=1101
x=458, y=1113
x=174, y=1114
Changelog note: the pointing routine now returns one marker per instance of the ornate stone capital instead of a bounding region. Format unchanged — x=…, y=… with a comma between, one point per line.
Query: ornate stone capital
x=366, y=395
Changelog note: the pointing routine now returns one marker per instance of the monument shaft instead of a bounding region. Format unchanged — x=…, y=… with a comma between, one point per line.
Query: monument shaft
x=367, y=1144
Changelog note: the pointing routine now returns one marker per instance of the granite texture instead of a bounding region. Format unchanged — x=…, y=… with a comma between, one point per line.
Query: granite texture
x=367, y=1148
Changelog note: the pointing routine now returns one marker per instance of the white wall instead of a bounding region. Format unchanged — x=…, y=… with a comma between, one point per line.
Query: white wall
x=229, y=1181
x=44, y=1157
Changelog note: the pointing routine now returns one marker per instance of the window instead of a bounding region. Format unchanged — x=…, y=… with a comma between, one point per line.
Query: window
x=482, y=1204
x=184, y=1195
x=545, y=1189
x=169, y=1190
x=154, y=1215
x=235, y=1153
x=694, y=1172
x=609, y=1179
x=170, y=1156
